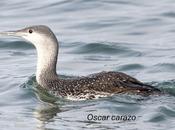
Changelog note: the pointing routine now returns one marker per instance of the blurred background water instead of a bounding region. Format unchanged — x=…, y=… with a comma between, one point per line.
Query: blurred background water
x=136, y=37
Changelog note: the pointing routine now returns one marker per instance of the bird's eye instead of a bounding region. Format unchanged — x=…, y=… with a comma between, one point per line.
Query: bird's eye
x=30, y=31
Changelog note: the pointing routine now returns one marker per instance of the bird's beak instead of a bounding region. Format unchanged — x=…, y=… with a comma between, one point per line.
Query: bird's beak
x=13, y=33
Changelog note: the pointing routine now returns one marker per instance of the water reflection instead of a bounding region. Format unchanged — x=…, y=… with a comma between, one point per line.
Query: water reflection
x=45, y=114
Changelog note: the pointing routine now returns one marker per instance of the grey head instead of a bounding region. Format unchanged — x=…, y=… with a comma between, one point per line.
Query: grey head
x=38, y=34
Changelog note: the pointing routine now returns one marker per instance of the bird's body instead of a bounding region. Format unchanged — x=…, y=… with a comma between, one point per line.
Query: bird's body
x=92, y=86
x=96, y=85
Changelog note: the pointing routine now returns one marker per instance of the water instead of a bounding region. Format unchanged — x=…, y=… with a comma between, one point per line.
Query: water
x=135, y=37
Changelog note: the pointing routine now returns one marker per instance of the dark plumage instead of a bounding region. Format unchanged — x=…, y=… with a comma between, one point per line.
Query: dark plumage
x=99, y=84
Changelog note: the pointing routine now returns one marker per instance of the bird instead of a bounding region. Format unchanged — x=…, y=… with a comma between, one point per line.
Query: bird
x=93, y=86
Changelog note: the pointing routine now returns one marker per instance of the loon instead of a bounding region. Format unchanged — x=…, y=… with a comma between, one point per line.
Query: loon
x=96, y=85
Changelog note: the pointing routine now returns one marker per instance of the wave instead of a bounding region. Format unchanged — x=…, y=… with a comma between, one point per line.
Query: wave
x=105, y=48
x=15, y=45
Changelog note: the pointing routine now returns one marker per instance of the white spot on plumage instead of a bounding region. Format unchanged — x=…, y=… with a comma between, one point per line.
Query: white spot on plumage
x=88, y=95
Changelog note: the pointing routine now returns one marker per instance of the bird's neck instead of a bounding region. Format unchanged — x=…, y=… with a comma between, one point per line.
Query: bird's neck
x=46, y=63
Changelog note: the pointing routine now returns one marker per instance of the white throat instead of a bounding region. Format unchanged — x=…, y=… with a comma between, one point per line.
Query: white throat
x=46, y=62
x=47, y=51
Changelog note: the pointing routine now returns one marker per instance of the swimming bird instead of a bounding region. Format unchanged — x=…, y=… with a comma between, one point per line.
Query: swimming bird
x=88, y=87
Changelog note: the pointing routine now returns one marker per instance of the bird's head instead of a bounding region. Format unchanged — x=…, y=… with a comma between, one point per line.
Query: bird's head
x=39, y=35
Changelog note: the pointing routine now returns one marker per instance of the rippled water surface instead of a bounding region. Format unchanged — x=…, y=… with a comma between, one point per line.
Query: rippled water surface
x=133, y=36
